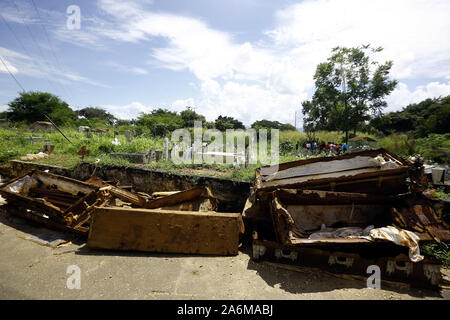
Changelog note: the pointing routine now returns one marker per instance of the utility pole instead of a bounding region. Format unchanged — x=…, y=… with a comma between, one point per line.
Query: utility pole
x=295, y=121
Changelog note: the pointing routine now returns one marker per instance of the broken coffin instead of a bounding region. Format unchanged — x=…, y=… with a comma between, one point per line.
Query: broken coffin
x=161, y=230
x=335, y=210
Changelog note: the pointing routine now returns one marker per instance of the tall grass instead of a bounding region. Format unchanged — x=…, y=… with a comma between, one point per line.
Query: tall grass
x=435, y=147
x=399, y=143
x=327, y=136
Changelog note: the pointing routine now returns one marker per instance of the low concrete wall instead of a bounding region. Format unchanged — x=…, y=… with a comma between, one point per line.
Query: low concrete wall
x=231, y=193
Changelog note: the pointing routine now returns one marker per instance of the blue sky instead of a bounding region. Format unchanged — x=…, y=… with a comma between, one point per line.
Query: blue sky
x=249, y=59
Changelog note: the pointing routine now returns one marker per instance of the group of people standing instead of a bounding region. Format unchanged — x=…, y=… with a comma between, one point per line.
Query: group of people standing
x=314, y=147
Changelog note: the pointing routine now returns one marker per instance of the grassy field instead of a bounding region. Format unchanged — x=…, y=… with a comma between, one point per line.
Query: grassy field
x=16, y=143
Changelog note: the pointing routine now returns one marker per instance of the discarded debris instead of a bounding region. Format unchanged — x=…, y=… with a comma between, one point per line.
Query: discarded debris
x=186, y=220
x=32, y=156
x=165, y=231
x=356, y=203
x=53, y=200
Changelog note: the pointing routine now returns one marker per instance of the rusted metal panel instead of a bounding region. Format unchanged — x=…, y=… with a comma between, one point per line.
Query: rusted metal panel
x=165, y=231
x=54, y=213
x=312, y=217
x=394, y=264
x=269, y=170
x=319, y=168
x=298, y=220
x=50, y=199
x=418, y=213
x=126, y=196
x=368, y=171
x=374, y=176
x=198, y=198
x=64, y=184
x=27, y=214
x=306, y=197
x=195, y=199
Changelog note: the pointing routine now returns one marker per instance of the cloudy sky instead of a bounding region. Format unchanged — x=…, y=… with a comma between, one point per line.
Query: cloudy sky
x=250, y=59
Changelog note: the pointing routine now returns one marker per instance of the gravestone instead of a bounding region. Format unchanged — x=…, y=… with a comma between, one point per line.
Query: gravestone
x=129, y=136
x=139, y=158
x=151, y=154
x=83, y=128
x=48, y=148
x=158, y=154
x=188, y=153
x=166, y=146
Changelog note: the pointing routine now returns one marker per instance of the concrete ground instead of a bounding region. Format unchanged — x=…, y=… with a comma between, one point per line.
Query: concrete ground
x=34, y=261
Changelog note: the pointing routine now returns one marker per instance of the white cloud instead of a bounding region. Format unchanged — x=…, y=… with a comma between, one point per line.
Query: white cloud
x=238, y=79
x=129, y=111
x=18, y=12
x=126, y=68
x=414, y=33
x=269, y=78
x=19, y=63
x=181, y=104
x=402, y=95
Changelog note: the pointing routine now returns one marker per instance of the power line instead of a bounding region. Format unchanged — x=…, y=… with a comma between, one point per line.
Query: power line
x=23, y=90
x=14, y=34
x=33, y=38
x=52, y=49
x=23, y=46
x=12, y=75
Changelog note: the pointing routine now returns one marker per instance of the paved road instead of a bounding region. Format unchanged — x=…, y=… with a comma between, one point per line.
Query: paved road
x=33, y=267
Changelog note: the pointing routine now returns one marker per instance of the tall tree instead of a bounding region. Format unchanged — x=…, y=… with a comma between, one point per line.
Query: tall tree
x=95, y=112
x=423, y=118
x=31, y=106
x=267, y=124
x=160, y=122
x=350, y=88
x=224, y=123
x=189, y=116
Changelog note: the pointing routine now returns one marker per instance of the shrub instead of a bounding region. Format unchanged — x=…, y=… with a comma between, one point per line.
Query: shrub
x=286, y=146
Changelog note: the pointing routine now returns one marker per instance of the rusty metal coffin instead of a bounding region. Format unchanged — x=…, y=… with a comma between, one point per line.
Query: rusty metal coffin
x=165, y=231
x=194, y=199
x=48, y=198
x=368, y=171
x=294, y=209
x=354, y=258
x=417, y=213
x=359, y=179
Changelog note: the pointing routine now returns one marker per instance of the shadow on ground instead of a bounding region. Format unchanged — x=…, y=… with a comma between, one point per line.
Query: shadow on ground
x=311, y=280
x=37, y=233
x=85, y=250
x=308, y=280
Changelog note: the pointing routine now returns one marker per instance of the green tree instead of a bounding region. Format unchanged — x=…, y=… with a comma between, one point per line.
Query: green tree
x=224, y=123
x=423, y=118
x=33, y=105
x=160, y=121
x=189, y=116
x=350, y=89
x=96, y=113
x=267, y=124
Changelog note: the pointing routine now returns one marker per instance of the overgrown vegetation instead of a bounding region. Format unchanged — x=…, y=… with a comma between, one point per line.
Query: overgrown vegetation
x=440, y=251
x=420, y=119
